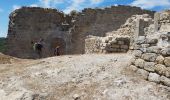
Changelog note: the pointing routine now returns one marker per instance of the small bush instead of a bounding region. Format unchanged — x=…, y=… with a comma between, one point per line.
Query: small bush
x=3, y=45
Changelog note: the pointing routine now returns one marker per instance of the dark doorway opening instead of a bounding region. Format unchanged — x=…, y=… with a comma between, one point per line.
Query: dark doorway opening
x=58, y=42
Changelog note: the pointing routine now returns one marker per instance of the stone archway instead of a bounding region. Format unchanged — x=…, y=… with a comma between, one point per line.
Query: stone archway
x=54, y=42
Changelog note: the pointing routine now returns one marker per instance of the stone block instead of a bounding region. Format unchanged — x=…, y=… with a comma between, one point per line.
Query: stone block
x=139, y=63
x=167, y=73
x=126, y=47
x=151, y=40
x=149, y=66
x=149, y=56
x=165, y=80
x=137, y=53
x=153, y=49
x=143, y=73
x=121, y=42
x=153, y=77
x=167, y=61
x=160, y=69
x=133, y=68
x=160, y=59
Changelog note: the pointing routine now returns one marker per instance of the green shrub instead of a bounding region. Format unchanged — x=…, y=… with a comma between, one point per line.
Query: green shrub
x=3, y=45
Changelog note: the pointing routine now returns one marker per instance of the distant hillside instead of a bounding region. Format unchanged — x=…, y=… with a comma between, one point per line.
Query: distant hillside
x=2, y=44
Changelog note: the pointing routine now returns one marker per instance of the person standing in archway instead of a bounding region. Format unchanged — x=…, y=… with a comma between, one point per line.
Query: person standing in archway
x=38, y=46
x=56, y=51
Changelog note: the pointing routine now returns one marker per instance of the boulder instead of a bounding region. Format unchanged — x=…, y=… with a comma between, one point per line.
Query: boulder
x=153, y=77
x=153, y=49
x=143, y=73
x=165, y=80
x=149, y=56
x=165, y=52
x=167, y=73
x=139, y=63
x=137, y=53
x=145, y=45
x=149, y=66
x=133, y=68
x=140, y=40
x=160, y=59
x=151, y=40
x=161, y=69
x=167, y=61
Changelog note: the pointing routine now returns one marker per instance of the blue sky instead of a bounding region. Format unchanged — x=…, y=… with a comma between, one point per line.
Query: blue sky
x=7, y=6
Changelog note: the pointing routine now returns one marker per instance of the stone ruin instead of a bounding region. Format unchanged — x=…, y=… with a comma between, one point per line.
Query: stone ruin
x=141, y=33
x=147, y=39
x=28, y=24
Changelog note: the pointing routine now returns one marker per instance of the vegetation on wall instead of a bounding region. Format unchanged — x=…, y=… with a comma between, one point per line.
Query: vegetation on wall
x=3, y=44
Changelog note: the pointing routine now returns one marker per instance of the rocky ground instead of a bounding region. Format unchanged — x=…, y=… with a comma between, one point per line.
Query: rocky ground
x=80, y=77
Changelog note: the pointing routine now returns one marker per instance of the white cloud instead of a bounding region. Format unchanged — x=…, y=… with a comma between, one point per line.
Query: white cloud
x=96, y=1
x=33, y=5
x=16, y=7
x=50, y=3
x=149, y=4
x=75, y=5
x=1, y=10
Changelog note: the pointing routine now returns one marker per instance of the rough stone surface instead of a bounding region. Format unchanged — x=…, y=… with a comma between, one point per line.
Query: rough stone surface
x=149, y=56
x=167, y=61
x=160, y=59
x=161, y=69
x=139, y=63
x=165, y=81
x=153, y=49
x=149, y=66
x=137, y=53
x=153, y=77
x=143, y=73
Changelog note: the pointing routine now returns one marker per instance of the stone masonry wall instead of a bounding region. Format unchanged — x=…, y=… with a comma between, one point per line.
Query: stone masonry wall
x=98, y=22
x=151, y=61
x=109, y=44
x=28, y=25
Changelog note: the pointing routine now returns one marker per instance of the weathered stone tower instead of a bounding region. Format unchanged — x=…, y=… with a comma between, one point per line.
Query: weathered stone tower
x=29, y=24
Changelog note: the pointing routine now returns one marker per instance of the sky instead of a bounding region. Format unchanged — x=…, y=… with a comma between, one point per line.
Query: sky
x=7, y=6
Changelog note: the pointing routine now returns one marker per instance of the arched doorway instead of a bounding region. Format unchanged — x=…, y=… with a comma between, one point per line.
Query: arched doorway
x=55, y=42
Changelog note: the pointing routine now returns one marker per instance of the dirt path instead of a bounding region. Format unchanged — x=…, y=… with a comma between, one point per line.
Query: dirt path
x=81, y=77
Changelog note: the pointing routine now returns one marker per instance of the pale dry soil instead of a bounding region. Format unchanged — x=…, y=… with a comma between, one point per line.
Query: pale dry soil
x=77, y=77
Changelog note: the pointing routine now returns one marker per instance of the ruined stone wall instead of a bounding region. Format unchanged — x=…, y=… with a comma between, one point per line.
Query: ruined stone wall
x=97, y=22
x=109, y=44
x=162, y=21
x=29, y=25
x=151, y=61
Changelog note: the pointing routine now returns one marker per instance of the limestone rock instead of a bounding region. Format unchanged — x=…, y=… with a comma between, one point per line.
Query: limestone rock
x=149, y=56
x=140, y=40
x=153, y=49
x=160, y=59
x=133, y=68
x=151, y=40
x=137, y=53
x=153, y=77
x=161, y=69
x=139, y=63
x=165, y=80
x=167, y=73
x=149, y=66
x=143, y=73
x=167, y=61
x=165, y=52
